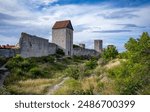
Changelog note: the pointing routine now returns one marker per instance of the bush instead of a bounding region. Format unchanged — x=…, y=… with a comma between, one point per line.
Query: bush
x=130, y=78
x=24, y=64
x=73, y=72
x=60, y=52
x=91, y=64
x=43, y=59
x=79, y=58
x=124, y=55
x=14, y=62
x=2, y=61
x=35, y=72
x=3, y=91
x=78, y=71
x=110, y=53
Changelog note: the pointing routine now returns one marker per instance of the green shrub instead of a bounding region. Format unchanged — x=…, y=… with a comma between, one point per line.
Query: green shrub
x=73, y=72
x=91, y=64
x=14, y=62
x=35, y=72
x=60, y=52
x=78, y=71
x=79, y=58
x=110, y=52
x=3, y=91
x=86, y=73
x=43, y=59
x=130, y=78
x=2, y=61
x=17, y=62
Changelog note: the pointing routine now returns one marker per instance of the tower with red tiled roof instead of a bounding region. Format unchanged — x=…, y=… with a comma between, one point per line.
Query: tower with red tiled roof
x=62, y=35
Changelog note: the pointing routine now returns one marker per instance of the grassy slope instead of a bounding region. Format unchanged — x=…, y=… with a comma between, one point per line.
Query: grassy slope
x=21, y=80
x=84, y=78
x=98, y=82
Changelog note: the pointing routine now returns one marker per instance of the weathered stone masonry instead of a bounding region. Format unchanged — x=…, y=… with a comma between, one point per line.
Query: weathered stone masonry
x=7, y=52
x=62, y=37
x=33, y=46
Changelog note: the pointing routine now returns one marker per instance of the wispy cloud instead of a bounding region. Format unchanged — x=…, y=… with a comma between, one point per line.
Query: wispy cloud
x=112, y=31
x=118, y=14
x=131, y=26
x=106, y=21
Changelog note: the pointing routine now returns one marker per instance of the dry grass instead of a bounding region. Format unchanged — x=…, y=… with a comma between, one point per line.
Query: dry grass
x=108, y=88
x=114, y=63
x=90, y=83
x=32, y=86
x=68, y=87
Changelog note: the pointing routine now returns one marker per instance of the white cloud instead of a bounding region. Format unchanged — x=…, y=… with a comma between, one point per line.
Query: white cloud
x=85, y=19
x=11, y=40
x=46, y=2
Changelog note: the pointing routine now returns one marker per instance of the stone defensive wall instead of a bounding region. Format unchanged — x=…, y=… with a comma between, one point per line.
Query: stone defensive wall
x=85, y=52
x=33, y=46
x=7, y=53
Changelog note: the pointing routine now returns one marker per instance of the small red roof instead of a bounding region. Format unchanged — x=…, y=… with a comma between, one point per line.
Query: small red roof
x=63, y=24
x=7, y=46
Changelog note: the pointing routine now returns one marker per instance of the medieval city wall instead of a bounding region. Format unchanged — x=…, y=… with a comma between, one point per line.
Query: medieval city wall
x=85, y=52
x=7, y=52
x=52, y=48
x=33, y=46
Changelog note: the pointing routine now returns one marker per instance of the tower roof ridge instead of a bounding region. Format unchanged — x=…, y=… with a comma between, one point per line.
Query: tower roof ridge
x=63, y=24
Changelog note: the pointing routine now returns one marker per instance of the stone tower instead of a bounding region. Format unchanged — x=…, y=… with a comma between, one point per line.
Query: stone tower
x=98, y=45
x=62, y=35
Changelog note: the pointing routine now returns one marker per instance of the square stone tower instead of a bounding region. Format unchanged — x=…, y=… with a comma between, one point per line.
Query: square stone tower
x=98, y=45
x=62, y=35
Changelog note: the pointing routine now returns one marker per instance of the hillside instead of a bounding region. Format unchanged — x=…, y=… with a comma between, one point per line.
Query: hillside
x=112, y=73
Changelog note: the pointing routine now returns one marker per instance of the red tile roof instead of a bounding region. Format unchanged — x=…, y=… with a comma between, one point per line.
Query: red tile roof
x=63, y=24
x=7, y=46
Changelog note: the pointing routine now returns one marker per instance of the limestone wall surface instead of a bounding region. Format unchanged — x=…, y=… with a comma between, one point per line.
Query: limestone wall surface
x=52, y=48
x=59, y=37
x=33, y=46
x=69, y=41
x=64, y=39
x=85, y=52
x=7, y=52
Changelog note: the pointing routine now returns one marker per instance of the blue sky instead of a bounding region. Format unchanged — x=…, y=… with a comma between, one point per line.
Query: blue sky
x=113, y=21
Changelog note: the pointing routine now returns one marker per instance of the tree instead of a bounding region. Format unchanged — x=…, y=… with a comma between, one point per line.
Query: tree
x=110, y=52
x=139, y=49
x=133, y=75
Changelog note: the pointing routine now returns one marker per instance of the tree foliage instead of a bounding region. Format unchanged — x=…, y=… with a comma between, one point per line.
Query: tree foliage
x=110, y=53
x=133, y=76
